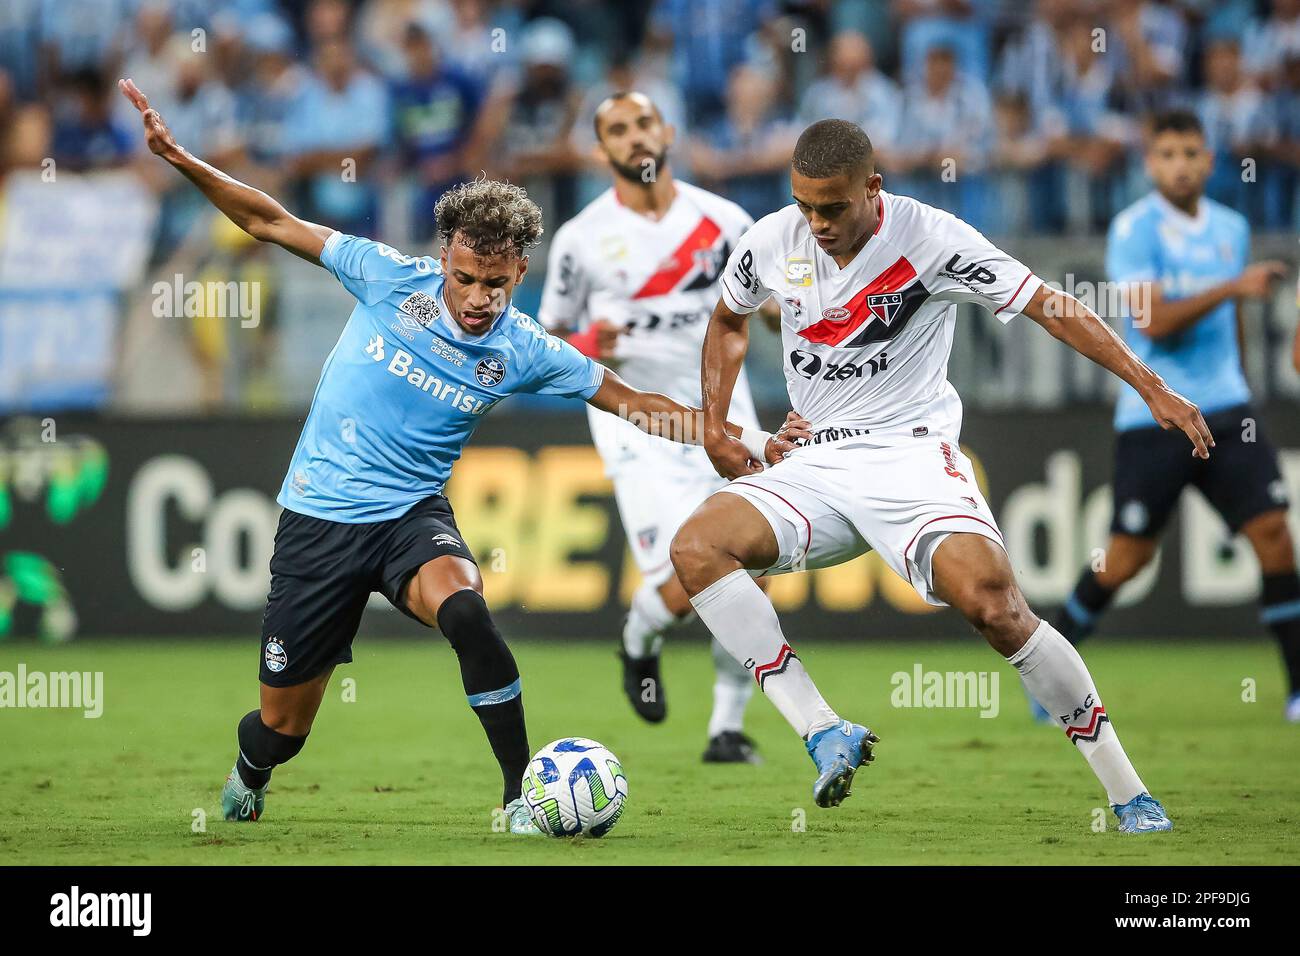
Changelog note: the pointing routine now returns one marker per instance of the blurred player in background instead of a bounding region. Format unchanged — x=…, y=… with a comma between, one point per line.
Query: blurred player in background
x=431, y=346
x=868, y=283
x=633, y=278
x=1183, y=259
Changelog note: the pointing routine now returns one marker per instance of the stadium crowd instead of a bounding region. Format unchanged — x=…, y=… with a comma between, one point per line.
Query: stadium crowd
x=1020, y=106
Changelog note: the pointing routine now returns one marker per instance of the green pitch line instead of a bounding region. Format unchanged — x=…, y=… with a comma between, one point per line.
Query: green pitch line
x=403, y=774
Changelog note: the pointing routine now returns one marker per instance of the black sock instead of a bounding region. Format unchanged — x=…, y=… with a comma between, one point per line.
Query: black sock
x=491, y=681
x=1079, y=614
x=261, y=748
x=1280, y=610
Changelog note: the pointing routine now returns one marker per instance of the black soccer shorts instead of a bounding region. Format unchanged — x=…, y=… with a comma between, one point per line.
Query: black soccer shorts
x=323, y=573
x=1240, y=480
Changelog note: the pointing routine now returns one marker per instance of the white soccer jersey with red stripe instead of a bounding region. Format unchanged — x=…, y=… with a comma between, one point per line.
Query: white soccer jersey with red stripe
x=656, y=278
x=867, y=346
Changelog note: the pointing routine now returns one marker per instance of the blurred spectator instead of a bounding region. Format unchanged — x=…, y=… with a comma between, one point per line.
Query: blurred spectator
x=381, y=27
x=959, y=25
x=944, y=142
x=81, y=35
x=333, y=135
x=853, y=89
x=1232, y=109
x=148, y=60
x=481, y=42
x=535, y=149
x=1284, y=150
x=708, y=40
x=20, y=45
x=1021, y=174
x=1152, y=40
x=1267, y=44
x=86, y=136
x=435, y=112
x=745, y=156
x=269, y=97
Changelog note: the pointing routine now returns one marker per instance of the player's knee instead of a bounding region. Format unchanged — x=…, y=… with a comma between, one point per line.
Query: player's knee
x=265, y=747
x=997, y=610
x=695, y=557
x=1271, y=539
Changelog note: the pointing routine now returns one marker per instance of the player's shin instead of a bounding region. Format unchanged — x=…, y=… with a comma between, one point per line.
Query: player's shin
x=1280, y=611
x=1056, y=676
x=491, y=681
x=742, y=619
x=261, y=749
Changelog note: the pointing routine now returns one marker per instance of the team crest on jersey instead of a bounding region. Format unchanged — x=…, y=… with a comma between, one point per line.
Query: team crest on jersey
x=276, y=657
x=798, y=272
x=646, y=538
x=885, y=305
x=491, y=371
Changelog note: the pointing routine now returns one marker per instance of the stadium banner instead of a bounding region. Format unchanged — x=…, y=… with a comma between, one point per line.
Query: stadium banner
x=164, y=527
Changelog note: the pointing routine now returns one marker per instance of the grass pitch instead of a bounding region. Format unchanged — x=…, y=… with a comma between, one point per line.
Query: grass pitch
x=402, y=774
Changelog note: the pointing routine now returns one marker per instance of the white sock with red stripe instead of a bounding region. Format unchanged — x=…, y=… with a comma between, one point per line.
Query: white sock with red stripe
x=744, y=622
x=732, y=688
x=1055, y=674
x=647, y=620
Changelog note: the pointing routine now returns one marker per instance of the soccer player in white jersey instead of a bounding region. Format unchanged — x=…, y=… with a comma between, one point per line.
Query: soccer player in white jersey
x=868, y=284
x=633, y=278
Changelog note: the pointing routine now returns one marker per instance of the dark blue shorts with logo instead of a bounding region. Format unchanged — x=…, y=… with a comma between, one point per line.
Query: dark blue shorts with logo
x=323, y=573
x=1241, y=479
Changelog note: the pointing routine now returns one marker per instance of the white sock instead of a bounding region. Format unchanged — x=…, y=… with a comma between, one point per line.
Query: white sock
x=1056, y=676
x=744, y=622
x=647, y=619
x=732, y=688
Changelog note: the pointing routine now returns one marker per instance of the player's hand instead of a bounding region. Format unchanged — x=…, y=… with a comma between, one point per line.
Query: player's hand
x=731, y=459
x=1171, y=410
x=156, y=134
x=795, y=428
x=1256, y=282
x=607, y=336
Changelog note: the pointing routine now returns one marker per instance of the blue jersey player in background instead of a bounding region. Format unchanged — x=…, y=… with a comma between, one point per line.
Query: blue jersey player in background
x=1183, y=260
x=432, y=346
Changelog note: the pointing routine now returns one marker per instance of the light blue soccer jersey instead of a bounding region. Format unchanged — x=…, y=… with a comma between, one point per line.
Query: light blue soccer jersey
x=405, y=387
x=1154, y=241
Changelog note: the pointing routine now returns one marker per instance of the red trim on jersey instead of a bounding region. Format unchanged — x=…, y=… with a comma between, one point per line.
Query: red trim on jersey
x=1016, y=293
x=834, y=331
x=682, y=261
x=808, y=545
x=908, y=549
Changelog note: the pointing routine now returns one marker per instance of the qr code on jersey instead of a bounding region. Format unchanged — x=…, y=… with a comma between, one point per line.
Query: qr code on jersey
x=422, y=307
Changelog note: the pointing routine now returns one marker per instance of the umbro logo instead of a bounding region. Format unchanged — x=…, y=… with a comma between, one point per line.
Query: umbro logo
x=448, y=539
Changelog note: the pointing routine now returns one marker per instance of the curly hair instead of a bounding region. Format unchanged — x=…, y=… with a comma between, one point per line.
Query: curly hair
x=491, y=217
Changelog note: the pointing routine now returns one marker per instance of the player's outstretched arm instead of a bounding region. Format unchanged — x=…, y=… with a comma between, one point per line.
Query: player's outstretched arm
x=250, y=209
x=1069, y=320
x=1157, y=317
x=660, y=415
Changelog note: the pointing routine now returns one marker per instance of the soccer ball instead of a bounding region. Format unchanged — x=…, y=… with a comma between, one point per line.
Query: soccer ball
x=575, y=787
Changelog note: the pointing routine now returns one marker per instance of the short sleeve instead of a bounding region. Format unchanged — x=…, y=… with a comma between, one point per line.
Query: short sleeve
x=370, y=270
x=567, y=286
x=974, y=270
x=742, y=289
x=1131, y=249
x=559, y=369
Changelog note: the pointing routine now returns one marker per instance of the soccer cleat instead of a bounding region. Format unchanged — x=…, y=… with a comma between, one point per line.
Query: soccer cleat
x=1142, y=814
x=1292, y=711
x=241, y=802
x=838, y=752
x=521, y=818
x=644, y=687
x=731, y=746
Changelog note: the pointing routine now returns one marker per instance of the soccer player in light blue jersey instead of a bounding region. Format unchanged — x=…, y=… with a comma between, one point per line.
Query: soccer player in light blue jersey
x=1183, y=259
x=432, y=345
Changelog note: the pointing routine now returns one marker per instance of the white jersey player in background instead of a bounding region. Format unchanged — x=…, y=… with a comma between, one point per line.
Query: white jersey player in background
x=868, y=284
x=634, y=277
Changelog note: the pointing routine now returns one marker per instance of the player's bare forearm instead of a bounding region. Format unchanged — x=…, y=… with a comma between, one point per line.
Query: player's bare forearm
x=1069, y=320
x=250, y=209
x=1156, y=317
x=726, y=340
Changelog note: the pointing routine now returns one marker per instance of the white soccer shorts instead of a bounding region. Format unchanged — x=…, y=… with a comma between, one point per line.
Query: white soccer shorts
x=899, y=494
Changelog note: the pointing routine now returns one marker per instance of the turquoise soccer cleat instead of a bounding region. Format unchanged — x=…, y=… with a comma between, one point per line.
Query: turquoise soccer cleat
x=838, y=752
x=521, y=818
x=1143, y=814
x=1292, y=712
x=241, y=802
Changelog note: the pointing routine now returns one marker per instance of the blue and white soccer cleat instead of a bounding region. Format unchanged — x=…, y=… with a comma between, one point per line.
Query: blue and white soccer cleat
x=1292, y=712
x=520, y=818
x=838, y=752
x=241, y=802
x=1143, y=814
